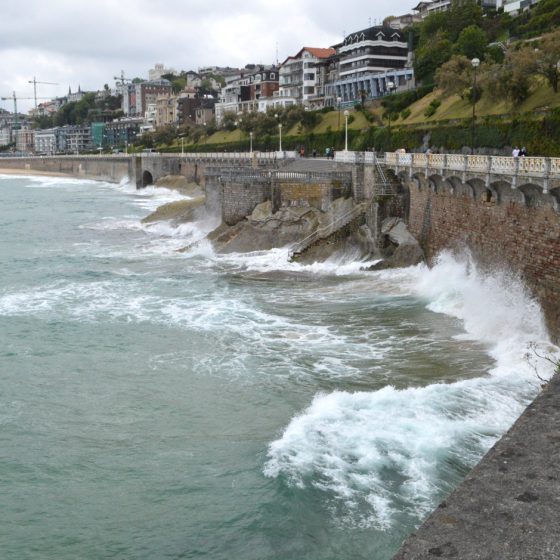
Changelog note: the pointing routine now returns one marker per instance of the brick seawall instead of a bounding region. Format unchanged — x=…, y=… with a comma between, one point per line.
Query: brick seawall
x=509, y=234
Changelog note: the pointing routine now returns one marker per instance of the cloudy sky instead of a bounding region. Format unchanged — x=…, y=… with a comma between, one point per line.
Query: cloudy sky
x=87, y=43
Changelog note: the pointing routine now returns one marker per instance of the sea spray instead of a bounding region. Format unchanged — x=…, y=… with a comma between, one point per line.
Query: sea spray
x=389, y=452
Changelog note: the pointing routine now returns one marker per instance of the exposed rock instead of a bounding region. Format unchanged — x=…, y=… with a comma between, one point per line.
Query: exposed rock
x=263, y=230
x=262, y=212
x=178, y=212
x=400, y=248
x=180, y=184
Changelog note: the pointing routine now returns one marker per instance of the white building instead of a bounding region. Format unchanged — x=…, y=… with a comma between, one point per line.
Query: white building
x=158, y=71
x=302, y=77
x=46, y=141
x=427, y=7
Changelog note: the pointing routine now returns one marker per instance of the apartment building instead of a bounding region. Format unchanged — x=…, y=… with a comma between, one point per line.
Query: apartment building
x=248, y=92
x=369, y=63
x=427, y=7
x=137, y=97
x=303, y=76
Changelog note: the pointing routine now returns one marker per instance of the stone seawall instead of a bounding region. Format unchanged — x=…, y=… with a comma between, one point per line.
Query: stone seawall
x=503, y=232
x=233, y=194
x=111, y=169
x=508, y=506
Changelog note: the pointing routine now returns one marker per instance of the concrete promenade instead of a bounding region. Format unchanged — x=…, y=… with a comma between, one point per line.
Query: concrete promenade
x=508, y=507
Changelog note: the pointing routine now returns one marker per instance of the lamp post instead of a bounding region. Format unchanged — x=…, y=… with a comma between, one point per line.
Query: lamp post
x=346, y=115
x=390, y=87
x=280, y=137
x=182, y=146
x=251, y=142
x=475, y=63
x=338, y=102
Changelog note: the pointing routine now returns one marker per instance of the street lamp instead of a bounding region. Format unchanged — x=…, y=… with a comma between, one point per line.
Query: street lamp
x=475, y=63
x=251, y=142
x=338, y=102
x=182, y=146
x=280, y=137
x=346, y=115
x=390, y=87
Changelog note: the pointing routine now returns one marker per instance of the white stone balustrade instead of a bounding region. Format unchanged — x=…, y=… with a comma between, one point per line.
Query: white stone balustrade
x=539, y=169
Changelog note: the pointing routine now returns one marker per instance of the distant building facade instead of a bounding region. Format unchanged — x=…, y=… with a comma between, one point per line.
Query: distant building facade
x=303, y=76
x=137, y=97
x=158, y=71
x=248, y=92
x=427, y=7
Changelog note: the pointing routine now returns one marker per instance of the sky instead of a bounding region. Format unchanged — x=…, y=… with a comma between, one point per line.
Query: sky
x=87, y=43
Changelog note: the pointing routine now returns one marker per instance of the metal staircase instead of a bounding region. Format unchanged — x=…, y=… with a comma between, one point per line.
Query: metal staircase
x=326, y=231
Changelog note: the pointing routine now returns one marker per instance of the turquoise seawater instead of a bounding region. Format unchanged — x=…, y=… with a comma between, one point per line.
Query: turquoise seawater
x=165, y=404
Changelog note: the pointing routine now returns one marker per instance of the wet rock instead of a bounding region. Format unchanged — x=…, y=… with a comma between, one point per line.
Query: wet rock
x=400, y=248
x=180, y=184
x=263, y=230
x=177, y=212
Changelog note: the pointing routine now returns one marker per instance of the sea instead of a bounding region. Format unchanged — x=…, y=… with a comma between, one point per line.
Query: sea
x=161, y=401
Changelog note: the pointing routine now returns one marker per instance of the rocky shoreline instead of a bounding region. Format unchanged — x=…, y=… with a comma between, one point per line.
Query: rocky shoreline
x=292, y=226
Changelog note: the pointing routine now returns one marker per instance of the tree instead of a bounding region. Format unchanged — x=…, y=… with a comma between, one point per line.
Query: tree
x=548, y=58
x=460, y=16
x=513, y=79
x=455, y=76
x=472, y=42
x=431, y=55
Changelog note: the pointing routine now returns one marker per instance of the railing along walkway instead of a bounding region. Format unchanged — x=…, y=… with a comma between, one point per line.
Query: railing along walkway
x=543, y=168
x=329, y=229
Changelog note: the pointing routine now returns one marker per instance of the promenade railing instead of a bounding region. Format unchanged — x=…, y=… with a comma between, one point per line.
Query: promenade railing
x=538, y=167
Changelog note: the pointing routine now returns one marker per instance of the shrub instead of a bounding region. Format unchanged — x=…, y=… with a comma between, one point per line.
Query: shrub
x=405, y=114
x=432, y=108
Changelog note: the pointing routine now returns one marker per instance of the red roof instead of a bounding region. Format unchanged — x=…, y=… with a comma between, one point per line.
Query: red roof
x=316, y=52
x=319, y=53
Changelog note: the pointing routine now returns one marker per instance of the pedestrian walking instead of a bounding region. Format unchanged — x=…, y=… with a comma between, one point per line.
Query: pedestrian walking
x=515, y=152
x=523, y=152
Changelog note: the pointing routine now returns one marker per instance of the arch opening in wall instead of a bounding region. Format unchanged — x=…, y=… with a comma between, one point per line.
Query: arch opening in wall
x=533, y=195
x=455, y=184
x=480, y=190
x=436, y=183
x=147, y=178
x=505, y=193
x=464, y=190
x=554, y=197
x=417, y=180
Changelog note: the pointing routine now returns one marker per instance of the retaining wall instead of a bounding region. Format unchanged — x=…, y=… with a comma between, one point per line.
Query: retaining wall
x=500, y=231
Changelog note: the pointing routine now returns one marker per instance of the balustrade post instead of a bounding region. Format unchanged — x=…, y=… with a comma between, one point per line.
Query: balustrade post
x=489, y=160
x=547, y=168
x=515, y=173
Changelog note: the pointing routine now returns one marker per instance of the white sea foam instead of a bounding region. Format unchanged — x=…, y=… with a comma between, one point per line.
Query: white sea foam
x=338, y=264
x=388, y=451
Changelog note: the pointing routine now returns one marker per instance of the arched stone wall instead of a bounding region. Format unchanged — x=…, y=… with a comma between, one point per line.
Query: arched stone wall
x=514, y=228
x=147, y=178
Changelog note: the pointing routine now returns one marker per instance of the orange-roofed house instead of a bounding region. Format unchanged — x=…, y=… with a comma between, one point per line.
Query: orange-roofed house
x=302, y=77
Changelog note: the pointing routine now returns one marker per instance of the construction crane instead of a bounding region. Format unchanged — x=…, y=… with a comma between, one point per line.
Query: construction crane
x=35, y=82
x=15, y=98
x=120, y=80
